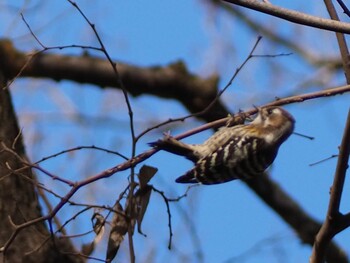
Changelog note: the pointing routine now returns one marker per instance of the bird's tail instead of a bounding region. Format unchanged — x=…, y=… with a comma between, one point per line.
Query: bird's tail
x=170, y=144
x=187, y=178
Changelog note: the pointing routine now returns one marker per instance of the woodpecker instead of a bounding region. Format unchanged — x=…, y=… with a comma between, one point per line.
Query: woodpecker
x=238, y=152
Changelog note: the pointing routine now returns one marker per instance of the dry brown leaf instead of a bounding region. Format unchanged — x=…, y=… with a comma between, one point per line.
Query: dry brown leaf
x=146, y=174
x=116, y=236
x=142, y=199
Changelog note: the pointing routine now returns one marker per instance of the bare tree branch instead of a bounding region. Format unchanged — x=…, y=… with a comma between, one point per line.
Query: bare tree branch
x=294, y=16
x=335, y=221
x=343, y=48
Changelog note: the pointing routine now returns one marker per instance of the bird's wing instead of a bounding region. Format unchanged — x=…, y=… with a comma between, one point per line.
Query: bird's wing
x=238, y=158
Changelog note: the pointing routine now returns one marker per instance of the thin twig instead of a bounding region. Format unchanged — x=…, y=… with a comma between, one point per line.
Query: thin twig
x=80, y=148
x=345, y=8
x=166, y=201
x=131, y=120
x=27, y=164
x=217, y=97
x=42, y=194
x=113, y=64
x=304, y=136
x=324, y=160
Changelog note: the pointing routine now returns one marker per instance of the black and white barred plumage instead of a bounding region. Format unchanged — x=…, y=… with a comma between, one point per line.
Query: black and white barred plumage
x=238, y=152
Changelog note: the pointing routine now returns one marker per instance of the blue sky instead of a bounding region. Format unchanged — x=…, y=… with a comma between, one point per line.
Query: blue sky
x=229, y=219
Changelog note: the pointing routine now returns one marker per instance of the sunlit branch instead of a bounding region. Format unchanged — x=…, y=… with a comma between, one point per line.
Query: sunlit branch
x=294, y=16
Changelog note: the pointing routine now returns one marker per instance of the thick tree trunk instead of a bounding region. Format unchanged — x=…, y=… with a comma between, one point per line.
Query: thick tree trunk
x=19, y=200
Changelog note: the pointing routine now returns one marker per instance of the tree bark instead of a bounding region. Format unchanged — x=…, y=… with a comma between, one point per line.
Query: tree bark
x=19, y=200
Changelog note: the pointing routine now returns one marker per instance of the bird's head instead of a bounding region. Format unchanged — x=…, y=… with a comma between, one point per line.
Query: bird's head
x=275, y=120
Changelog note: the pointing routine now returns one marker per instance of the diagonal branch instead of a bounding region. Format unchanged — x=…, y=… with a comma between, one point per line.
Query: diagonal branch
x=294, y=16
x=343, y=48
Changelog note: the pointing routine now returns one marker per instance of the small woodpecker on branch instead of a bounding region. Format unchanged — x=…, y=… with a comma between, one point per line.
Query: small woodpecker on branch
x=238, y=152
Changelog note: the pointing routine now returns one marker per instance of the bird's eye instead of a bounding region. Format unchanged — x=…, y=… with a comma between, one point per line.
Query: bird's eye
x=269, y=111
